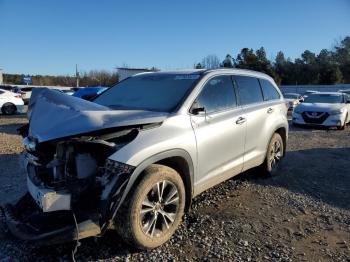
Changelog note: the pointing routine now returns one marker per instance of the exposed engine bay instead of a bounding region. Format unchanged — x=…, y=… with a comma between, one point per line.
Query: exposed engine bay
x=74, y=189
x=73, y=175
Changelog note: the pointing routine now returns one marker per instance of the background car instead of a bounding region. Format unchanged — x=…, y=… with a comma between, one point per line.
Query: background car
x=345, y=91
x=330, y=109
x=26, y=92
x=309, y=92
x=10, y=102
x=293, y=99
x=65, y=91
x=88, y=93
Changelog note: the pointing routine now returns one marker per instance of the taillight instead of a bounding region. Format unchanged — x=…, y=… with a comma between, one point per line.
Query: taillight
x=287, y=104
x=18, y=96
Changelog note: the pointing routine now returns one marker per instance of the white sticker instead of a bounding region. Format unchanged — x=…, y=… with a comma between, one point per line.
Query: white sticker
x=186, y=77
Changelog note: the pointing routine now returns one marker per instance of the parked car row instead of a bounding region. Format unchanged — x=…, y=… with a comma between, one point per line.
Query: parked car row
x=134, y=156
x=12, y=99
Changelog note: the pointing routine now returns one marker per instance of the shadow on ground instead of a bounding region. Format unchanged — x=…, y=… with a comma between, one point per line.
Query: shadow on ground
x=321, y=173
x=300, y=128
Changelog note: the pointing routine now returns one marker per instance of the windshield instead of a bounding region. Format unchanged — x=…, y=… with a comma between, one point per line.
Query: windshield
x=154, y=92
x=324, y=98
x=291, y=96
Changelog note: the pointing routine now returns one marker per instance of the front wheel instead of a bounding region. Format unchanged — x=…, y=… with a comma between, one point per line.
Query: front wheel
x=274, y=154
x=343, y=127
x=154, y=210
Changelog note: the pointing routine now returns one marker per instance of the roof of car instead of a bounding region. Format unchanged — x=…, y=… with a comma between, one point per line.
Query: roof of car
x=328, y=93
x=292, y=94
x=207, y=71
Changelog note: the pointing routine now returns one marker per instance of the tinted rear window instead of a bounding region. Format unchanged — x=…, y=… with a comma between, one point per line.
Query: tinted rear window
x=269, y=91
x=249, y=90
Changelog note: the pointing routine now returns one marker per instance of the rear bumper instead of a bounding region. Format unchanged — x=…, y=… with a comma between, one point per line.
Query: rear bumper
x=43, y=228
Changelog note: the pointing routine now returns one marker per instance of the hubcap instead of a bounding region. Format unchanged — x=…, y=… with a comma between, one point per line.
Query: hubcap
x=275, y=155
x=159, y=208
x=8, y=110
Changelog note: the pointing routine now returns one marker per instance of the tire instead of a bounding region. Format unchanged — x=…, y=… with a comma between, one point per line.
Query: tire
x=8, y=109
x=138, y=229
x=273, y=155
x=343, y=127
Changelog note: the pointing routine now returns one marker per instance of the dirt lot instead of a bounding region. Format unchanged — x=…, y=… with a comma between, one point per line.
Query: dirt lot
x=301, y=214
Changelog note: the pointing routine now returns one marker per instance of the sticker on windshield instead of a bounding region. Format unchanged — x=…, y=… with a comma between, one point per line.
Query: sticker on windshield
x=186, y=77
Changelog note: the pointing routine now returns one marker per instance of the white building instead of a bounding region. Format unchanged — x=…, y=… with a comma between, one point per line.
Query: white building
x=1, y=77
x=124, y=72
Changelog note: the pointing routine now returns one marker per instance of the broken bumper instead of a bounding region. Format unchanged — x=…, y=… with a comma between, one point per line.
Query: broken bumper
x=44, y=228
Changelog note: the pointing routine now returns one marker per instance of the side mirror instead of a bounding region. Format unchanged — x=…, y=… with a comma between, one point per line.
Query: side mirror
x=197, y=110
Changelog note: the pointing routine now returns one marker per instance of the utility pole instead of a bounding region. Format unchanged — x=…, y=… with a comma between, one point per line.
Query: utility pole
x=77, y=74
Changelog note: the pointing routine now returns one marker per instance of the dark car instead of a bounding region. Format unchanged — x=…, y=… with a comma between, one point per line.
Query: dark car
x=88, y=93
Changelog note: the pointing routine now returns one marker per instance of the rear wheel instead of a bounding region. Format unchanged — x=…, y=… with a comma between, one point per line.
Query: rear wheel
x=150, y=216
x=274, y=154
x=8, y=109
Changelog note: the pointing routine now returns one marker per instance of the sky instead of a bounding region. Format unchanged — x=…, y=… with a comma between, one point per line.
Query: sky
x=50, y=37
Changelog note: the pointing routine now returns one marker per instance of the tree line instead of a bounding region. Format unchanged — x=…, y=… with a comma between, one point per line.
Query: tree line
x=327, y=67
x=91, y=78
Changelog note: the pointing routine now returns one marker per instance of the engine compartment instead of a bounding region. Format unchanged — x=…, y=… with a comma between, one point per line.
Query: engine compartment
x=71, y=177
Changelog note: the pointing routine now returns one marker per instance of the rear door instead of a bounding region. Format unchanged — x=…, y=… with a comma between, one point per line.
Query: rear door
x=256, y=112
x=219, y=133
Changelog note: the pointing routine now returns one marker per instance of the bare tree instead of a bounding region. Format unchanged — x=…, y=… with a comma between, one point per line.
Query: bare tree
x=210, y=62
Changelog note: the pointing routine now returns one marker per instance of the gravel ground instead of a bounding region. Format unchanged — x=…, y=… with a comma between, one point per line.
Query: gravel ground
x=301, y=214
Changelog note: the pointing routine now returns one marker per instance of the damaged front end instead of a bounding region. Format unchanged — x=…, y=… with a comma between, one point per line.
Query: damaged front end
x=70, y=177
x=74, y=188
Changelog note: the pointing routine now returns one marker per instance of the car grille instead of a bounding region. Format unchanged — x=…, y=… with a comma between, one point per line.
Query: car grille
x=314, y=117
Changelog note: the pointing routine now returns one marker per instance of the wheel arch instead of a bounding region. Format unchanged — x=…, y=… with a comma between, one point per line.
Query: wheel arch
x=282, y=131
x=179, y=160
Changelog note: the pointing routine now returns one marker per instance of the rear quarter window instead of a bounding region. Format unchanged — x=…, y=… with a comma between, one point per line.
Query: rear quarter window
x=249, y=90
x=269, y=91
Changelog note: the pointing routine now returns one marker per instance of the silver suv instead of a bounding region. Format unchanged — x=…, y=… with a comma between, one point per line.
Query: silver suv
x=134, y=158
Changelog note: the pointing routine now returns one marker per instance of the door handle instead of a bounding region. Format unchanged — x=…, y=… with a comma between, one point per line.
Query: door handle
x=240, y=120
x=270, y=110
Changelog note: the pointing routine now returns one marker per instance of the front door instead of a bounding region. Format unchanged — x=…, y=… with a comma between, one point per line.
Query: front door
x=220, y=133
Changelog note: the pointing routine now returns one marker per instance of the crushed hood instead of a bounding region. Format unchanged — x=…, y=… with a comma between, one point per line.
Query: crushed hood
x=54, y=115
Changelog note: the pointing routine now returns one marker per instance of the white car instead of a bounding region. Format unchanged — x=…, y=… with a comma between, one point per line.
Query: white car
x=331, y=109
x=293, y=99
x=10, y=102
x=345, y=91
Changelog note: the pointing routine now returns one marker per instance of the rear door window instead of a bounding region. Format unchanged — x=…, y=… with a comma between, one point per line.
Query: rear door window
x=217, y=95
x=269, y=91
x=249, y=90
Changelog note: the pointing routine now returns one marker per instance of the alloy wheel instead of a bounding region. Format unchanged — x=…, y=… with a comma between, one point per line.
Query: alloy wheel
x=159, y=208
x=275, y=154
